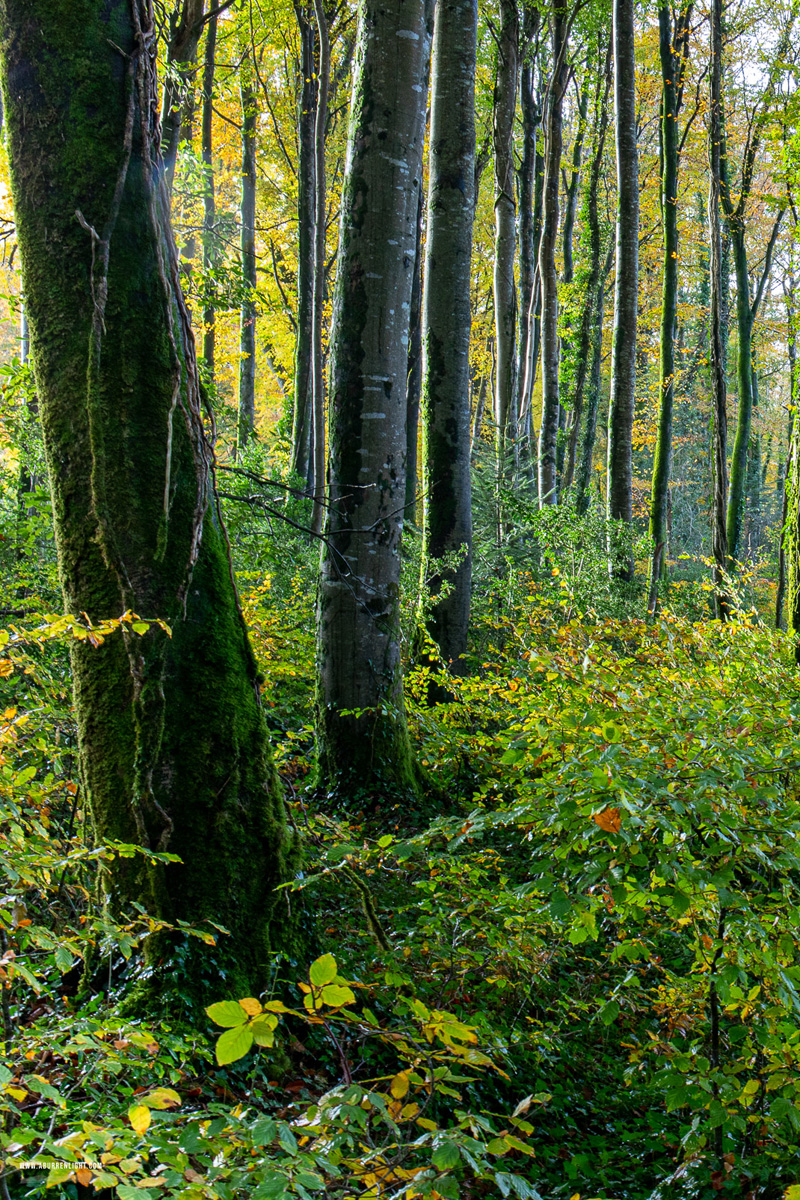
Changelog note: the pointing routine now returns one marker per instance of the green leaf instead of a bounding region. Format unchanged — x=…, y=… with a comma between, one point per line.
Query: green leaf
x=64, y=959
x=228, y=1013
x=385, y=841
x=314, y=1183
x=336, y=995
x=263, y=1132
x=609, y=1012
x=233, y=1044
x=446, y=1157
x=140, y=627
x=323, y=970
x=263, y=1030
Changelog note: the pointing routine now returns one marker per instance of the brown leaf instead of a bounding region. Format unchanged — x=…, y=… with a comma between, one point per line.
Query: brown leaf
x=608, y=820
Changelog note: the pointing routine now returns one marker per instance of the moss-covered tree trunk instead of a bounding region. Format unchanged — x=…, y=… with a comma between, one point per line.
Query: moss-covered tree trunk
x=551, y=349
x=247, y=335
x=619, y=486
x=173, y=747
x=672, y=49
x=320, y=216
x=302, y=408
x=362, y=735
x=209, y=201
x=592, y=317
x=446, y=325
x=186, y=25
x=505, y=239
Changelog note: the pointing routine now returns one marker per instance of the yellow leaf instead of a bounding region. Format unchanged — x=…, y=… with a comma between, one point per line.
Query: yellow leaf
x=17, y=1093
x=251, y=1006
x=399, y=1085
x=162, y=1098
x=608, y=820
x=84, y=1176
x=140, y=1117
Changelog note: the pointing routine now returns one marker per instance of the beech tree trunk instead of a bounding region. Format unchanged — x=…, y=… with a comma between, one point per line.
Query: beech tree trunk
x=320, y=216
x=718, y=323
x=619, y=494
x=247, y=338
x=672, y=49
x=590, y=335
x=551, y=357
x=173, y=748
x=446, y=325
x=505, y=243
x=209, y=201
x=526, y=187
x=302, y=408
x=186, y=24
x=362, y=734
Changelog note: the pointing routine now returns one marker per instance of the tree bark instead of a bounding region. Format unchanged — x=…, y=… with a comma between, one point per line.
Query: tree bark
x=186, y=24
x=209, y=202
x=505, y=213
x=719, y=533
x=320, y=217
x=446, y=326
x=672, y=51
x=247, y=338
x=619, y=494
x=362, y=734
x=526, y=187
x=302, y=409
x=551, y=355
x=593, y=301
x=173, y=747
x=583, y=478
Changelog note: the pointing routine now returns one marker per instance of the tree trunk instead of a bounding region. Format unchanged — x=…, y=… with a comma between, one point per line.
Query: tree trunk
x=186, y=24
x=619, y=494
x=302, y=411
x=526, y=185
x=362, y=733
x=583, y=478
x=173, y=746
x=505, y=212
x=414, y=395
x=548, y=275
x=672, y=51
x=209, y=202
x=588, y=335
x=320, y=216
x=718, y=323
x=247, y=340
x=446, y=325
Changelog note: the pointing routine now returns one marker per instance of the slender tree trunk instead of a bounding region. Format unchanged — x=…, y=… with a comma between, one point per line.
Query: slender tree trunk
x=588, y=335
x=505, y=211
x=320, y=215
x=173, y=747
x=619, y=494
x=302, y=409
x=446, y=325
x=362, y=733
x=414, y=396
x=185, y=28
x=548, y=275
x=583, y=478
x=572, y=191
x=672, y=49
x=209, y=200
x=744, y=379
x=527, y=246
x=247, y=339
x=719, y=533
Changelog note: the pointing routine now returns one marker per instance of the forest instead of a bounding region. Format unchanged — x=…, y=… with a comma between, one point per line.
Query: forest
x=399, y=600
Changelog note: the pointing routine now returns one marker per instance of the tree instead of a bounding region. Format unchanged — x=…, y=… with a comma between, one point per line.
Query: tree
x=303, y=409
x=247, y=338
x=619, y=496
x=362, y=734
x=209, y=200
x=446, y=324
x=673, y=49
x=551, y=355
x=505, y=212
x=173, y=747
